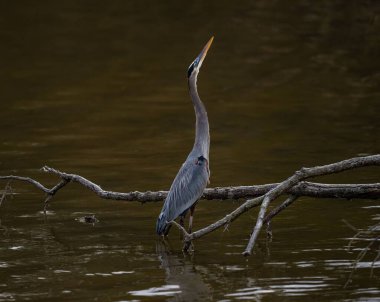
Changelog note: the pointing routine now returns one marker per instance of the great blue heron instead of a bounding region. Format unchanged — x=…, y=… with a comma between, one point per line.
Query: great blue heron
x=193, y=177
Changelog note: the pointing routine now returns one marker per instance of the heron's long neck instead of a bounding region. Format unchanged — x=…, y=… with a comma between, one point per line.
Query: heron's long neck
x=202, y=132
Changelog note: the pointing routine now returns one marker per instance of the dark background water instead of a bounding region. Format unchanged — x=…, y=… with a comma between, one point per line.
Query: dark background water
x=99, y=89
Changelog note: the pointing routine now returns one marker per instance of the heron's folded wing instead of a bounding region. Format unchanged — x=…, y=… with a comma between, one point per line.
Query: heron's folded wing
x=187, y=188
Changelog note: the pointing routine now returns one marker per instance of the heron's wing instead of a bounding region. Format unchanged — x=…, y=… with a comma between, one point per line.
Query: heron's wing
x=187, y=188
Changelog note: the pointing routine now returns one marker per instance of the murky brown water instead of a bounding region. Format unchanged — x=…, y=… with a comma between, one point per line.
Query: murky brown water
x=99, y=89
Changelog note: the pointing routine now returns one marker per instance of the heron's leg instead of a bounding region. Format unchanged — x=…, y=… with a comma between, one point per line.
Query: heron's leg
x=192, y=209
x=182, y=223
x=182, y=220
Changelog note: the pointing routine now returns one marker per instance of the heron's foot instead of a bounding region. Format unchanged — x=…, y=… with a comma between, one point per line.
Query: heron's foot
x=163, y=238
x=163, y=246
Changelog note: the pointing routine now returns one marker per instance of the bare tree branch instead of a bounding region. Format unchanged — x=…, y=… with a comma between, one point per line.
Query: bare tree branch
x=26, y=179
x=280, y=208
x=276, y=211
x=309, y=189
x=295, y=186
x=301, y=175
x=7, y=191
x=278, y=190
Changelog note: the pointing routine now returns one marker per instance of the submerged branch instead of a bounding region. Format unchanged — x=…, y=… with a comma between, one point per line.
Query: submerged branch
x=295, y=186
x=370, y=234
x=297, y=177
x=282, y=188
x=276, y=211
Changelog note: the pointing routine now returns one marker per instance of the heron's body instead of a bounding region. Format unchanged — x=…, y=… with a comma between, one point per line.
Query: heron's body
x=193, y=176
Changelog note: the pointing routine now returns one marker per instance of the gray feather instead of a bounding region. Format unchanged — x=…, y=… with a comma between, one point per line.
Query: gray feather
x=186, y=189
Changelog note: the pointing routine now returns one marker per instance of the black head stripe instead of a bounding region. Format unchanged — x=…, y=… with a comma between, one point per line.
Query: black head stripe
x=190, y=70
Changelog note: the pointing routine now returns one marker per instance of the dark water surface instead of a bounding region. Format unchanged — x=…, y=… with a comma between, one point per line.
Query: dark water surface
x=99, y=89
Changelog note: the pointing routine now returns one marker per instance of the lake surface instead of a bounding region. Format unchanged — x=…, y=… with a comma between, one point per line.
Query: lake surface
x=99, y=89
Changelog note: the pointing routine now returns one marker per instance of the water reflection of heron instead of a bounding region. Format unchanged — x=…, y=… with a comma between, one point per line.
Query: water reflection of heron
x=193, y=177
x=180, y=272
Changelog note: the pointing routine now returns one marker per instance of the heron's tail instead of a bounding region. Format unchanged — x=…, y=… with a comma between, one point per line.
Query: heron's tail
x=162, y=227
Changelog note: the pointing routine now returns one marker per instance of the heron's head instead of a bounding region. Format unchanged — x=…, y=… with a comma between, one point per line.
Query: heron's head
x=196, y=65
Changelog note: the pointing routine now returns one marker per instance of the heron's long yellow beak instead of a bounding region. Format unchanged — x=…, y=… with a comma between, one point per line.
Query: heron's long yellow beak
x=204, y=51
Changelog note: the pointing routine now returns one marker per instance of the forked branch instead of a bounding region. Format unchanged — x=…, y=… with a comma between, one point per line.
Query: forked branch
x=301, y=175
x=309, y=189
x=280, y=189
x=295, y=186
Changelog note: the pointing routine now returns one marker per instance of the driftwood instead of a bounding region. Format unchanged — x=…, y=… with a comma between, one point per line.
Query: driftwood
x=272, y=194
x=295, y=186
x=303, y=188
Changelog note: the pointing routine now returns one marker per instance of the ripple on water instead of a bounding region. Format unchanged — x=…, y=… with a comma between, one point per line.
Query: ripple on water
x=16, y=248
x=233, y=268
x=282, y=287
x=61, y=271
x=305, y=263
x=4, y=264
x=370, y=290
x=122, y=272
x=331, y=264
x=5, y=296
x=165, y=290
